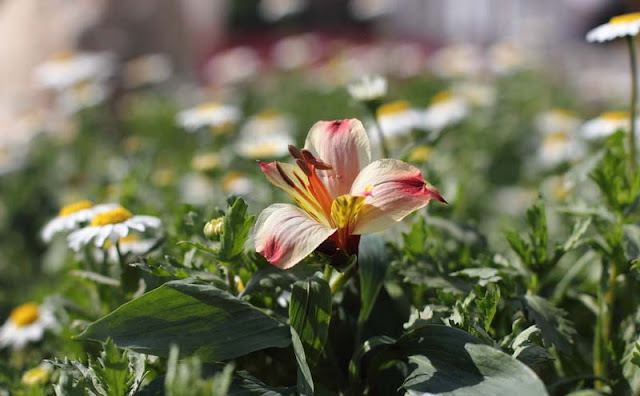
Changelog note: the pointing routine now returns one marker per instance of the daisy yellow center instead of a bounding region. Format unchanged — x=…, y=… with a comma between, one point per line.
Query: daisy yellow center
x=345, y=208
x=555, y=139
x=420, y=153
x=632, y=17
x=115, y=216
x=208, y=106
x=24, y=314
x=441, y=97
x=615, y=115
x=262, y=150
x=206, y=162
x=75, y=207
x=36, y=376
x=122, y=241
x=268, y=114
x=63, y=56
x=229, y=179
x=396, y=107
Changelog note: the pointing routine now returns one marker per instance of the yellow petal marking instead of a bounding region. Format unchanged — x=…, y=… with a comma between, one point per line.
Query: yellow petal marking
x=345, y=208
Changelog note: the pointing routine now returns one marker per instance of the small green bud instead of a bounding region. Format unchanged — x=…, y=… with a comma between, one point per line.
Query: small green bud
x=214, y=227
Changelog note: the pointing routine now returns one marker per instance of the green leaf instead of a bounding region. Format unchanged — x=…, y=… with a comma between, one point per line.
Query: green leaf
x=246, y=385
x=488, y=305
x=310, y=315
x=199, y=318
x=113, y=369
x=553, y=323
x=305, y=381
x=631, y=242
x=449, y=361
x=236, y=231
x=579, y=229
x=372, y=264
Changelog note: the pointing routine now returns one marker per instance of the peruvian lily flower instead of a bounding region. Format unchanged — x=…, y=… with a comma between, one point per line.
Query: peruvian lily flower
x=340, y=194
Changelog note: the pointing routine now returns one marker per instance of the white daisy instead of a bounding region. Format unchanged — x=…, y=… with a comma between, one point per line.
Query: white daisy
x=274, y=10
x=558, y=148
x=147, y=70
x=606, y=124
x=370, y=9
x=396, y=119
x=72, y=216
x=38, y=375
x=196, y=189
x=265, y=135
x=111, y=225
x=236, y=183
x=368, y=88
x=131, y=244
x=26, y=323
x=66, y=70
x=209, y=114
x=557, y=120
x=82, y=95
x=206, y=162
x=445, y=109
x=618, y=26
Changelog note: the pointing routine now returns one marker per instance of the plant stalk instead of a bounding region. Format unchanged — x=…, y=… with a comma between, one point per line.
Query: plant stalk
x=634, y=98
x=373, y=107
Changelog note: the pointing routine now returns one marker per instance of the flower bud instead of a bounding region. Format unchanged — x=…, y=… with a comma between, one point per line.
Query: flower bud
x=214, y=227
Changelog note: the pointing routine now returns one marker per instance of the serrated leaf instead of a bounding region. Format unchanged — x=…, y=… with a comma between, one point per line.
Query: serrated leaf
x=552, y=321
x=310, y=315
x=372, y=265
x=113, y=369
x=236, y=231
x=201, y=319
x=579, y=229
x=488, y=305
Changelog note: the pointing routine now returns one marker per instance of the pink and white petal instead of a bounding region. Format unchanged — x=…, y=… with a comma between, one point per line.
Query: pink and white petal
x=393, y=189
x=284, y=234
x=344, y=145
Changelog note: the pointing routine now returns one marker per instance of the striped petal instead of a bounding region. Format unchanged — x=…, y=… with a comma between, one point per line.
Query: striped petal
x=393, y=189
x=344, y=145
x=285, y=234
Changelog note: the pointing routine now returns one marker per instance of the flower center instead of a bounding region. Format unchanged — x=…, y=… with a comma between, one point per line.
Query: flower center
x=24, y=314
x=205, y=162
x=441, y=97
x=632, y=17
x=267, y=115
x=262, y=150
x=75, y=207
x=345, y=208
x=615, y=115
x=391, y=108
x=420, y=153
x=121, y=241
x=555, y=139
x=208, y=106
x=115, y=216
x=63, y=56
x=36, y=376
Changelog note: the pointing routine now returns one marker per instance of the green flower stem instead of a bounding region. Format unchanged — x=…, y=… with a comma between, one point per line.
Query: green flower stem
x=607, y=300
x=121, y=258
x=231, y=281
x=634, y=99
x=328, y=271
x=342, y=279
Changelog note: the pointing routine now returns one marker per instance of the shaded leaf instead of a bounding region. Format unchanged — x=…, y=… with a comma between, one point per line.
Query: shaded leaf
x=236, y=230
x=305, y=381
x=553, y=323
x=200, y=319
x=372, y=265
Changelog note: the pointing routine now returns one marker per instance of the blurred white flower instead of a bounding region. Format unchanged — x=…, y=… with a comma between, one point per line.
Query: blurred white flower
x=206, y=162
x=505, y=58
x=72, y=216
x=457, y=61
x=233, y=66
x=111, y=225
x=208, y=115
x=82, y=95
x=444, y=110
x=559, y=147
x=476, y=93
x=265, y=135
x=514, y=200
x=557, y=120
x=274, y=10
x=131, y=244
x=147, y=70
x=370, y=9
x=368, y=88
x=412, y=60
x=606, y=124
x=27, y=323
x=618, y=26
x=196, y=189
x=395, y=119
x=38, y=375
x=237, y=183
x=294, y=52
x=68, y=69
